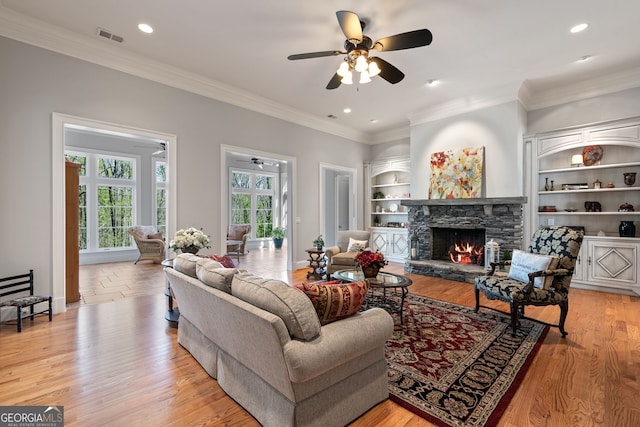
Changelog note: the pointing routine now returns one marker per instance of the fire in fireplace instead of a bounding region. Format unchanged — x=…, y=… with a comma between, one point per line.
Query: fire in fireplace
x=458, y=245
x=466, y=253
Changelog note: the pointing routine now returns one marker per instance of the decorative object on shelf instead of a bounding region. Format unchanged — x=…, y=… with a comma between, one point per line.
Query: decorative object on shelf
x=629, y=178
x=318, y=243
x=592, y=207
x=189, y=240
x=551, y=189
x=592, y=155
x=491, y=253
x=378, y=195
x=610, y=185
x=597, y=184
x=627, y=229
x=378, y=208
x=414, y=246
x=546, y=184
x=571, y=210
x=277, y=234
x=548, y=208
x=395, y=179
x=601, y=233
x=370, y=262
x=576, y=186
x=393, y=208
x=376, y=221
x=626, y=207
x=456, y=174
x=576, y=161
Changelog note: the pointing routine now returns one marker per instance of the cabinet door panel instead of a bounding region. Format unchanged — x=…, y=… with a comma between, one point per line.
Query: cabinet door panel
x=613, y=264
x=379, y=241
x=399, y=243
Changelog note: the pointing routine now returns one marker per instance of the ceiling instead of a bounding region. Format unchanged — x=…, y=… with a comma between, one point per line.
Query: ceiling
x=483, y=53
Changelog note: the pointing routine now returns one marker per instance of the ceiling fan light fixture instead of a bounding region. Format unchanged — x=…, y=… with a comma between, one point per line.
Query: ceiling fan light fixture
x=364, y=77
x=374, y=70
x=348, y=78
x=361, y=63
x=343, y=70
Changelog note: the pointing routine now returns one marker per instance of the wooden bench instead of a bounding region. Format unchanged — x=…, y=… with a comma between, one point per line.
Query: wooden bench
x=23, y=283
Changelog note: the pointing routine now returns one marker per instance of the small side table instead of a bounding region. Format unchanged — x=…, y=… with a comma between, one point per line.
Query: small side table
x=173, y=313
x=317, y=263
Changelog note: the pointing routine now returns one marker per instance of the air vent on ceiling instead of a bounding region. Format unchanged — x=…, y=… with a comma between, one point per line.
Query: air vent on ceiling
x=109, y=35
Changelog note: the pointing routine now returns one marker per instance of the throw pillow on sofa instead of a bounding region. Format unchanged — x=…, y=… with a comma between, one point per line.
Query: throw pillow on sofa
x=186, y=264
x=356, y=245
x=336, y=301
x=277, y=297
x=212, y=273
x=224, y=260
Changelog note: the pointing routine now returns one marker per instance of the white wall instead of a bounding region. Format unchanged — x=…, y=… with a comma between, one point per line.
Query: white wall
x=613, y=106
x=35, y=82
x=499, y=129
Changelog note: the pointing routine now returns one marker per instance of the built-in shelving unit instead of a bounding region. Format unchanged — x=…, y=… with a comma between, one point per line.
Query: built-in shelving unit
x=386, y=217
x=608, y=261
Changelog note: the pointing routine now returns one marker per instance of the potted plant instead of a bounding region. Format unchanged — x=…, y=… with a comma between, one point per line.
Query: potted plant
x=318, y=243
x=278, y=237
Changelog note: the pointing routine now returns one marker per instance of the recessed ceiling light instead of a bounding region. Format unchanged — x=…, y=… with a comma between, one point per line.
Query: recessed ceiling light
x=347, y=110
x=579, y=27
x=145, y=28
x=433, y=83
x=585, y=58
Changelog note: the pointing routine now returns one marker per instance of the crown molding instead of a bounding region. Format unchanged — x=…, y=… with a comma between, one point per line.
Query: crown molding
x=40, y=34
x=588, y=88
x=467, y=104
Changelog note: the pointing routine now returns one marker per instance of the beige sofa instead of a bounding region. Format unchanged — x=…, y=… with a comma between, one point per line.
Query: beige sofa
x=337, y=256
x=285, y=368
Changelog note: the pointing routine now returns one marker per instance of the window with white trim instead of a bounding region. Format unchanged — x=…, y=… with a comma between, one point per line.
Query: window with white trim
x=253, y=197
x=108, y=189
x=160, y=200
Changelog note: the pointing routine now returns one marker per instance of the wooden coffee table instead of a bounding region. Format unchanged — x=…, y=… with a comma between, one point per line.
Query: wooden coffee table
x=382, y=281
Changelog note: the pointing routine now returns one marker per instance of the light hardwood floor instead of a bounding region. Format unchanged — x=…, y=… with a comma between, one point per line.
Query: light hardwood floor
x=118, y=363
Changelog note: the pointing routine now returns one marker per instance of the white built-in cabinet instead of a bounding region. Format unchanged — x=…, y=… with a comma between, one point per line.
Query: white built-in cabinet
x=607, y=262
x=388, y=184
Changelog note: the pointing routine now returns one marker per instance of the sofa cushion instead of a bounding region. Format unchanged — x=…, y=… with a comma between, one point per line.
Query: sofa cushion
x=336, y=301
x=186, y=264
x=224, y=260
x=212, y=273
x=277, y=297
x=157, y=235
x=344, y=258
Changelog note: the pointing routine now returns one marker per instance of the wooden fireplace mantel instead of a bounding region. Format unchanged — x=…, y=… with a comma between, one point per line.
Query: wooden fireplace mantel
x=488, y=203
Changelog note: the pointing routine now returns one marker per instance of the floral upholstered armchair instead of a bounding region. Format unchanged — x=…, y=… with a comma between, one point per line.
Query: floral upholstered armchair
x=541, y=276
x=149, y=241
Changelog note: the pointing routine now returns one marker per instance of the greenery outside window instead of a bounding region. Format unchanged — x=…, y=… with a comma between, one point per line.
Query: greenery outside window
x=252, y=201
x=160, y=207
x=107, y=195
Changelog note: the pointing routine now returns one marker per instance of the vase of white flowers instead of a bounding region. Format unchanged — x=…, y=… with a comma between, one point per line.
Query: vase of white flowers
x=190, y=240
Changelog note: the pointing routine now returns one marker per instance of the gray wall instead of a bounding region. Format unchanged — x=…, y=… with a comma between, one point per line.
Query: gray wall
x=35, y=82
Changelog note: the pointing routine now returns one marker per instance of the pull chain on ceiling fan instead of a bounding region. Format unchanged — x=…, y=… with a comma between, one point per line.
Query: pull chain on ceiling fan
x=357, y=47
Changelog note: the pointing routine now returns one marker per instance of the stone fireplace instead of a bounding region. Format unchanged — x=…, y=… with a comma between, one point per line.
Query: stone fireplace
x=441, y=223
x=458, y=245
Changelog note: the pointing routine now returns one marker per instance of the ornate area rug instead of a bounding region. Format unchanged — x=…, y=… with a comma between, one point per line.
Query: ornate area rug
x=454, y=367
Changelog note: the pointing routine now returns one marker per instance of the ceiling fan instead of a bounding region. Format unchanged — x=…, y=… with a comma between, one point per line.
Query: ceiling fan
x=357, y=47
x=260, y=163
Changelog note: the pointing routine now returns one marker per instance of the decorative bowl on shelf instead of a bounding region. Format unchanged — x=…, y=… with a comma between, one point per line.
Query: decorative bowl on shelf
x=592, y=155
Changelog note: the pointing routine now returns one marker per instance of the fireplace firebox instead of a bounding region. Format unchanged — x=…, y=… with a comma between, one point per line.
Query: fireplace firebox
x=458, y=245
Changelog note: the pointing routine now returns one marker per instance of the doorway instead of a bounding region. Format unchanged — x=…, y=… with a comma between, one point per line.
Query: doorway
x=259, y=163
x=338, y=196
x=60, y=124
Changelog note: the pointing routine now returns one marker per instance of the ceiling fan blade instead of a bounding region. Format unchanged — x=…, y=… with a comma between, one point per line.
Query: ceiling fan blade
x=335, y=81
x=407, y=40
x=350, y=25
x=315, y=54
x=387, y=71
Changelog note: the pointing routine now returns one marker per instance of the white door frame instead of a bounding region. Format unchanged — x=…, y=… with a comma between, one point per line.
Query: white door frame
x=352, y=173
x=226, y=150
x=58, y=214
